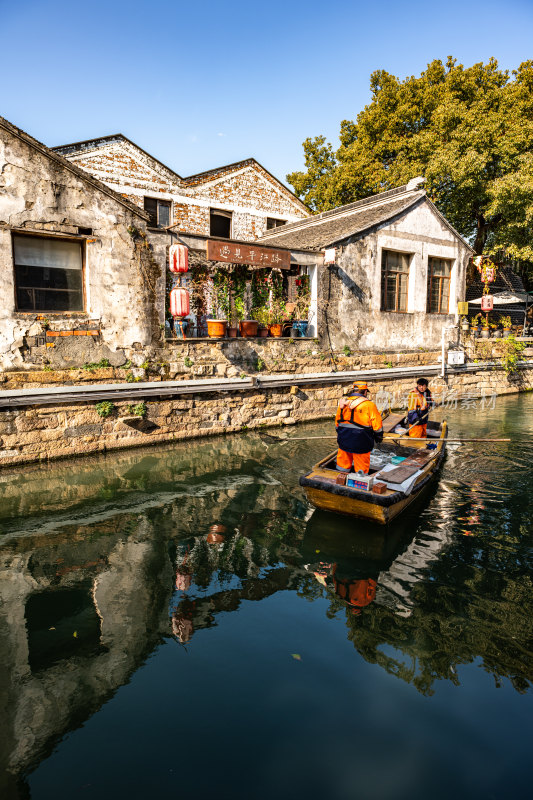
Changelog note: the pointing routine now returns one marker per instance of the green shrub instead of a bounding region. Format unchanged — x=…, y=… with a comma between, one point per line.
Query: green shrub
x=105, y=408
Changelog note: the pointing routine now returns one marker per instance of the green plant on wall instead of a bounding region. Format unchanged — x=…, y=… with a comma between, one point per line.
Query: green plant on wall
x=260, y=288
x=511, y=354
x=105, y=408
x=199, y=277
x=140, y=409
x=91, y=366
x=276, y=284
x=240, y=277
x=222, y=293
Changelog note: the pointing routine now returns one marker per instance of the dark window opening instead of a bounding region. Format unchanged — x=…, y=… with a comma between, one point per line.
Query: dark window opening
x=394, y=280
x=85, y=231
x=439, y=271
x=48, y=274
x=275, y=223
x=158, y=211
x=220, y=224
x=61, y=623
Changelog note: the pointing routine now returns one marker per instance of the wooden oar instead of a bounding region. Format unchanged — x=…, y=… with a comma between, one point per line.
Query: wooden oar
x=390, y=441
x=446, y=441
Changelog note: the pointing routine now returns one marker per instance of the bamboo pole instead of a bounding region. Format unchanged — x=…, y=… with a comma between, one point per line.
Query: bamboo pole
x=390, y=440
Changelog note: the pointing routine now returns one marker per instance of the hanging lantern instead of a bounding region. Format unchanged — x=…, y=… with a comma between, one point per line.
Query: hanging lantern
x=179, y=303
x=178, y=257
x=487, y=302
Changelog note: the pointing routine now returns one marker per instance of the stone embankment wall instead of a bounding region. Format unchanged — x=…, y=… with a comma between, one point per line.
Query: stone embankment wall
x=34, y=433
x=198, y=358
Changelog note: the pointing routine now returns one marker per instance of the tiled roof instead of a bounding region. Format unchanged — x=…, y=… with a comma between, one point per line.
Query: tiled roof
x=324, y=230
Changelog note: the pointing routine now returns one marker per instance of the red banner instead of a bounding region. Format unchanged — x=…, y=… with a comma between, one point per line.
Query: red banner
x=233, y=253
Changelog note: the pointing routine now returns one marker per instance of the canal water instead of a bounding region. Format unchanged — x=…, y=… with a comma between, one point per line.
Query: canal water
x=178, y=621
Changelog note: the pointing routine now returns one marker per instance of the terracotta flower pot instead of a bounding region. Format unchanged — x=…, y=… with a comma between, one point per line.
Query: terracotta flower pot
x=248, y=328
x=232, y=332
x=216, y=328
x=276, y=330
x=262, y=331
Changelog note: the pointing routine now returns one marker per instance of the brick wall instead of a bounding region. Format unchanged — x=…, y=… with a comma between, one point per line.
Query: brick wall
x=246, y=189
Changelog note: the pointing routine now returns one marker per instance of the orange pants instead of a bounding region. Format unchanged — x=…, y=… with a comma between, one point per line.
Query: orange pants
x=419, y=431
x=353, y=462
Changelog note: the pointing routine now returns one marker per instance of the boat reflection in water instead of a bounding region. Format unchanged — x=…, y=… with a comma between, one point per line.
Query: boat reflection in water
x=345, y=557
x=352, y=556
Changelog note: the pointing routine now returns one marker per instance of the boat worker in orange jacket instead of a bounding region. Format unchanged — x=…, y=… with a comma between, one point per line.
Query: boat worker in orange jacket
x=419, y=403
x=359, y=426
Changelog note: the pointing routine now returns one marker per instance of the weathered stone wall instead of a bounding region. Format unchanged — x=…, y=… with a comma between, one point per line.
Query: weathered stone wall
x=246, y=189
x=36, y=433
x=199, y=358
x=42, y=193
x=349, y=297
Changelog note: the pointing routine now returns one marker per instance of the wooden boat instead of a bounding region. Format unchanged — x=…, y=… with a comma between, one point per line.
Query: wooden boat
x=422, y=460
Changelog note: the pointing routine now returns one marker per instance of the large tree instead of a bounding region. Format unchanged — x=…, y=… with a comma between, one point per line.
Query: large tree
x=467, y=130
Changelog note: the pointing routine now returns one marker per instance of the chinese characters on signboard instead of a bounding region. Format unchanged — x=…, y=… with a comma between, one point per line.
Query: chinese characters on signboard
x=233, y=253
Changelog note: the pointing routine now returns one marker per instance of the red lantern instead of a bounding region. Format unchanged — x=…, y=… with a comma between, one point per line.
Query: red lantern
x=179, y=303
x=178, y=258
x=487, y=302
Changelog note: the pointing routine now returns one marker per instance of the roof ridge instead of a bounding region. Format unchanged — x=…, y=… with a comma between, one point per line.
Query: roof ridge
x=374, y=199
x=96, y=141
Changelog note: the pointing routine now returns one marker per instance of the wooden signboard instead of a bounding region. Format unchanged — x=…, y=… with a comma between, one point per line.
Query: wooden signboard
x=234, y=253
x=462, y=308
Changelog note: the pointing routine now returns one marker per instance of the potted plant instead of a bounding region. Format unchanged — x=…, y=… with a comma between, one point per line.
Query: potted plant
x=261, y=315
x=232, y=331
x=301, y=312
x=495, y=331
x=485, y=330
x=464, y=323
x=216, y=328
x=475, y=326
x=277, y=313
x=506, y=323
x=198, y=283
x=247, y=327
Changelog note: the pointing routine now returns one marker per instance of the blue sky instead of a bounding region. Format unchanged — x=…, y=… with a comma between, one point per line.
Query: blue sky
x=203, y=84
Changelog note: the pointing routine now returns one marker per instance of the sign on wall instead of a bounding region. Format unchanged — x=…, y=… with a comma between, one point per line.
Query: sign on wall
x=234, y=253
x=462, y=309
x=456, y=357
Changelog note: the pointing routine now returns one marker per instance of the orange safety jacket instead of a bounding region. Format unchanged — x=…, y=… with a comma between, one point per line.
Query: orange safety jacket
x=358, y=424
x=418, y=406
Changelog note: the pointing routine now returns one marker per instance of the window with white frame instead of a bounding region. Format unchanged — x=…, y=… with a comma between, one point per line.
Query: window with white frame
x=394, y=280
x=439, y=274
x=48, y=273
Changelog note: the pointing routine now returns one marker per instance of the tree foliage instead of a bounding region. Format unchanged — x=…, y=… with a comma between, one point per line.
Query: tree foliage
x=467, y=130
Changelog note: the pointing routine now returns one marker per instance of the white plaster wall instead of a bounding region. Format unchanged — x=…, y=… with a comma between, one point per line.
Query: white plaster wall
x=354, y=315
x=37, y=194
